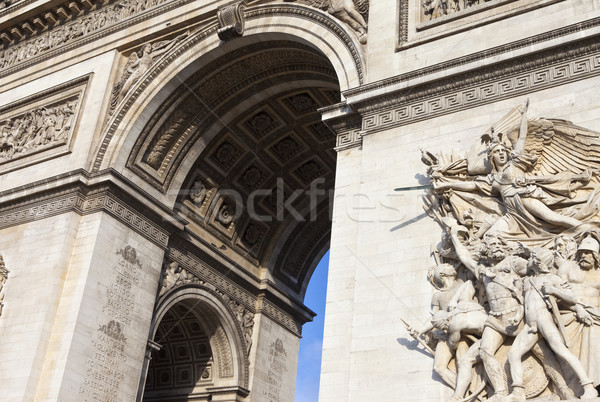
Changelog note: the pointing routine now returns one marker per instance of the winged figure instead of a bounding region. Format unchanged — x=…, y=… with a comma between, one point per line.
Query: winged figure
x=138, y=64
x=353, y=12
x=529, y=181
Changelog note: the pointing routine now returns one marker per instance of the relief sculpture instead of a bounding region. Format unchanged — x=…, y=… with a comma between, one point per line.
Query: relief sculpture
x=515, y=313
x=138, y=64
x=352, y=12
x=437, y=8
x=3, y=278
x=39, y=128
x=77, y=26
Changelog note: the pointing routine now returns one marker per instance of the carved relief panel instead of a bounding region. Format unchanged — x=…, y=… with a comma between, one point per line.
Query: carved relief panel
x=422, y=21
x=40, y=126
x=517, y=271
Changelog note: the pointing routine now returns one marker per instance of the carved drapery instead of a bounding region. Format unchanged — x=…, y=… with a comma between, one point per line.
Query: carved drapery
x=519, y=257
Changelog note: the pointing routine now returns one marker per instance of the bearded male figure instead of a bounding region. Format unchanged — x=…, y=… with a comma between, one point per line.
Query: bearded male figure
x=584, y=277
x=502, y=278
x=541, y=291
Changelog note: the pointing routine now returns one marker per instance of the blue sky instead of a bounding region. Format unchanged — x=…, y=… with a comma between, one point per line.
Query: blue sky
x=311, y=344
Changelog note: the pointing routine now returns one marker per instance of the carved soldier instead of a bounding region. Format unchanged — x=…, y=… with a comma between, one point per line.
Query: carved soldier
x=584, y=278
x=443, y=277
x=501, y=276
x=542, y=320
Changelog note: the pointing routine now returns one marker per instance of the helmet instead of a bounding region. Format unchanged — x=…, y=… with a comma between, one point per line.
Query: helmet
x=590, y=244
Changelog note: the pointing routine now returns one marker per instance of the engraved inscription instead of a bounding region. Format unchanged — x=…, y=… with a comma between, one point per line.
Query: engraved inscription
x=105, y=368
x=277, y=370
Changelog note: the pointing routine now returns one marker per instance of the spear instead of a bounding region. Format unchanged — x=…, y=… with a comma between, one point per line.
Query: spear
x=421, y=341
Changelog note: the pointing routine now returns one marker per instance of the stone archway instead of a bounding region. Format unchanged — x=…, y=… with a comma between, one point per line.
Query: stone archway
x=199, y=352
x=228, y=137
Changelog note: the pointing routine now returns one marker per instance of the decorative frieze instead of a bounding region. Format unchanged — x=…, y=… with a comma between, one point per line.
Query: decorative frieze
x=517, y=77
x=39, y=123
x=79, y=26
x=76, y=201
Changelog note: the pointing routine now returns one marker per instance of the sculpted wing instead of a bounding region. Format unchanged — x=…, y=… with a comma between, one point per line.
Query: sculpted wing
x=562, y=146
x=127, y=71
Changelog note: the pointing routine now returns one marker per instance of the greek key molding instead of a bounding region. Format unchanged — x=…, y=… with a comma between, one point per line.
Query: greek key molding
x=279, y=316
x=351, y=139
x=74, y=200
x=517, y=77
x=489, y=53
x=205, y=272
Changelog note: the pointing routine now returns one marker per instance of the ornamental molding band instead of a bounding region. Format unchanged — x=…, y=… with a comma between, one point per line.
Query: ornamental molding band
x=40, y=126
x=440, y=18
x=83, y=200
x=517, y=271
x=3, y=279
x=71, y=25
x=521, y=76
x=231, y=21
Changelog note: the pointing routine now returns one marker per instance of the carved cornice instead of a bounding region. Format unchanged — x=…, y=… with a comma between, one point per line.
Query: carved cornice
x=275, y=313
x=516, y=77
x=345, y=123
x=470, y=18
x=15, y=6
x=80, y=30
x=73, y=194
x=486, y=54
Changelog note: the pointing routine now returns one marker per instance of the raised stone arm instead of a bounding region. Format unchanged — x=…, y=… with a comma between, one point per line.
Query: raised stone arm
x=520, y=145
x=458, y=185
x=566, y=295
x=461, y=251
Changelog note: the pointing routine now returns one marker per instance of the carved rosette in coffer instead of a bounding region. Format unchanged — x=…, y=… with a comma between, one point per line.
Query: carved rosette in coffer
x=41, y=126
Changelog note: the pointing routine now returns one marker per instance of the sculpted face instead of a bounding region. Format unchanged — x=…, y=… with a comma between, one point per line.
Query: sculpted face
x=495, y=248
x=537, y=266
x=586, y=260
x=500, y=156
x=445, y=275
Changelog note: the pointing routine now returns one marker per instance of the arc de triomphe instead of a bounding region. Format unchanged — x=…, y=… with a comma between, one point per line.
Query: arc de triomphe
x=172, y=171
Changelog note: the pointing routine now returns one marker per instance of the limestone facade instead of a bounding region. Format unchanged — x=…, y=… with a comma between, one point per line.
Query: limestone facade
x=172, y=171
